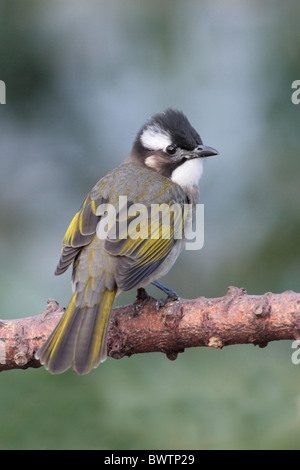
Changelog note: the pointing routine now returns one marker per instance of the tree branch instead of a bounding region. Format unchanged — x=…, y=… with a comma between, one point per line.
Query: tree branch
x=236, y=318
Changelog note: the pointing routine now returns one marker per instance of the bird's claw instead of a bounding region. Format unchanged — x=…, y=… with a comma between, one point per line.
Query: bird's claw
x=172, y=297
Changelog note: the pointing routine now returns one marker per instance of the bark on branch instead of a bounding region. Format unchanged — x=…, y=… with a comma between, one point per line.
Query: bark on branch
x=236, y=318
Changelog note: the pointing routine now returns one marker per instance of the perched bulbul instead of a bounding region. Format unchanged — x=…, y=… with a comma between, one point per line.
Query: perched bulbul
x=163, y=167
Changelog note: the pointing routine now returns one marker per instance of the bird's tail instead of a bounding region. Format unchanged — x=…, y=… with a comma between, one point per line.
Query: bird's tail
x=79, y=340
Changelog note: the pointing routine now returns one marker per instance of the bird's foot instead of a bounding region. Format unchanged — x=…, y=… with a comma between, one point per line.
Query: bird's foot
x=163, y=302
x=170, y=293
x=172, y=296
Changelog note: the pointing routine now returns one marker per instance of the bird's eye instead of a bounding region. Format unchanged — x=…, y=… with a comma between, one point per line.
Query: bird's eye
x=171, y=149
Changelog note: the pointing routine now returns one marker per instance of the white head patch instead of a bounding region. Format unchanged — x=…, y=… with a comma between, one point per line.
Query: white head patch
x=189, y=173
x=154, y=138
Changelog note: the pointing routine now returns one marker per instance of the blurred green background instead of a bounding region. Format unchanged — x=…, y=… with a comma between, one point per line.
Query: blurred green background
x=81, y=78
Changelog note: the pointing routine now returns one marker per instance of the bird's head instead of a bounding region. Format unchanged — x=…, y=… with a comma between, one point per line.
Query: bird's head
x=168, y=144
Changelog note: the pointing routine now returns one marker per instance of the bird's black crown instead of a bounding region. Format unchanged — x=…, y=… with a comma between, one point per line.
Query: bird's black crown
x=177, y=125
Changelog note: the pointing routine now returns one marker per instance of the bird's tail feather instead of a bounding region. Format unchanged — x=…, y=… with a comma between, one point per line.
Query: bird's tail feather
x=79, y=340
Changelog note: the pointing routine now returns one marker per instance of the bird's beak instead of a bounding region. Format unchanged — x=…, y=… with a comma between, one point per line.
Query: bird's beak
x=203, y=151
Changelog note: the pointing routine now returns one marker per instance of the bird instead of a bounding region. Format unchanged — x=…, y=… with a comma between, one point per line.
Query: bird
x=164, y=167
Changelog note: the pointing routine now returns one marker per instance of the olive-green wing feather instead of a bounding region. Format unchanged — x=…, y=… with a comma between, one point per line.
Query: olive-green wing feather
x=147, y=244
x=80, y=232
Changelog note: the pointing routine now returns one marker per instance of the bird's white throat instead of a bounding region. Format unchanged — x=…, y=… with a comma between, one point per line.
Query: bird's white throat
x=189, y=173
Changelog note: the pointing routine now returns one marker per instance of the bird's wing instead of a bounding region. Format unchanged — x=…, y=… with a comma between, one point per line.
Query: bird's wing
x=80, y=232
x=148, y=242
